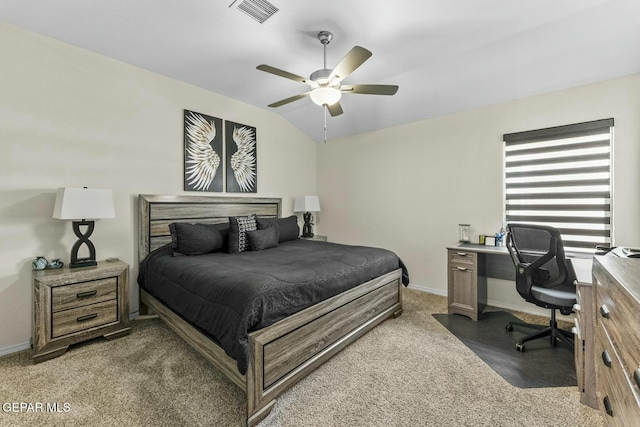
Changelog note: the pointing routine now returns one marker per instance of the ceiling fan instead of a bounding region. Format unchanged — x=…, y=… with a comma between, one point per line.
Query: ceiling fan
x=326, y=84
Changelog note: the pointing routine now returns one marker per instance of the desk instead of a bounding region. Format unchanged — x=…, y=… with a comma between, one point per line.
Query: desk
x=468, y=267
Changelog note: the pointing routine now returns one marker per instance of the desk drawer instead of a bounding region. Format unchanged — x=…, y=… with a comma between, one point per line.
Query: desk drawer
x=463, y=258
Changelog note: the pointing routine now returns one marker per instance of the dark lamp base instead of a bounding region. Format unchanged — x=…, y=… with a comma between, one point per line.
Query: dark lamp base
x=307, y=231
x=84, y=262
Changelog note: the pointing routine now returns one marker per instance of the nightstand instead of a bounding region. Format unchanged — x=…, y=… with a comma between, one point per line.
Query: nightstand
x=316, y=237
x=75, y=305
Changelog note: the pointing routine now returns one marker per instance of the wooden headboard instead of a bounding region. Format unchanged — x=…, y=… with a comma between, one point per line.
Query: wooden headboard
x=155, y=213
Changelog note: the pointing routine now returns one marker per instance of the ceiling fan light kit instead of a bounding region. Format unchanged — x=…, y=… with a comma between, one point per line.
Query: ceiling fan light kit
x=325, y=96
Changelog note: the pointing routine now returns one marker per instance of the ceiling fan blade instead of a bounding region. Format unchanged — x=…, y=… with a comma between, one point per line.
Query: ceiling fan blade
x=288, y=100
x=335, y=109
x=370, y=89
x=347, y=65
x=285, y=74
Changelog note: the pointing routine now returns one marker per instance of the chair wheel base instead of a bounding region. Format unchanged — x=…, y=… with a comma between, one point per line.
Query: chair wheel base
x=520, y=347
x=509, y=327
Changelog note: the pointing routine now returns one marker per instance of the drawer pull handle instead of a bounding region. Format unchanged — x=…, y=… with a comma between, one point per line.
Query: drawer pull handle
x=636, y=376
x=461, y=268
x=87, y=317
x=86, y=294
x=604, y=311
x=607, y=406
x=606, y=359
x=461, y=253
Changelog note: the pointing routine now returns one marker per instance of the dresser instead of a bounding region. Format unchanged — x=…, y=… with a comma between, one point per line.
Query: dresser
x=616, y=312
x=74, y=305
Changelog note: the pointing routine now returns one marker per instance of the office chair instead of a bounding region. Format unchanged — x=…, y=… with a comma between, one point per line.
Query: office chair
x=544, y=277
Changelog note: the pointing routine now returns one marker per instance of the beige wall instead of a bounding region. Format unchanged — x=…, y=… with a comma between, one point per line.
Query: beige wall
x=69, y=117
x=407, y=188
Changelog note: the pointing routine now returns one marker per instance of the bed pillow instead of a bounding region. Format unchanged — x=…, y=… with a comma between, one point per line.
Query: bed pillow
x=262, y=239
x=194, y=239
x=287, y=228
x=238, y=227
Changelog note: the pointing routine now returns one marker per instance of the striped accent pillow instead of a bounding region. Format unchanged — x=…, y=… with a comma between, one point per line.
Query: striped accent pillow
x=238, y=227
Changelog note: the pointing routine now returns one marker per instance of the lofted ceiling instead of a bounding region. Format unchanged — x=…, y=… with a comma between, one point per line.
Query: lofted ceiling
x=446, y=55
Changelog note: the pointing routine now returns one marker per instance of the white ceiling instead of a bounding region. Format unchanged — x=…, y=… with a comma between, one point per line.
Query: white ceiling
x=446, y=55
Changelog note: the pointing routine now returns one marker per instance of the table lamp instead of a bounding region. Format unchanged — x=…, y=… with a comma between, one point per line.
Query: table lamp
x=83, y=205
x=307, y=204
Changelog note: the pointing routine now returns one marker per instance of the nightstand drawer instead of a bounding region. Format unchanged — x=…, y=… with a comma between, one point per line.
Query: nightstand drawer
x=78, y=319
x=84, y=293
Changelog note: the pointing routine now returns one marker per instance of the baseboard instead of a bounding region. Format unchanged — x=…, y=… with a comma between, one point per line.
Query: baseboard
x=15, y=348
x=427, y=290
x=27, y=345
x=499, y=304
x=522, y=308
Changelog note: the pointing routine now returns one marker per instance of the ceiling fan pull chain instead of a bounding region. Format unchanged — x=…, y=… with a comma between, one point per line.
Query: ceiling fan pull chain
x=325, y=123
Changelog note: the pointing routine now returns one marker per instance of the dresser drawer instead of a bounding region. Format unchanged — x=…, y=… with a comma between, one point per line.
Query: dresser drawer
x=614, y=385
x=83, y=293
x=611, y=382
x=617, y=314
x=79, y=319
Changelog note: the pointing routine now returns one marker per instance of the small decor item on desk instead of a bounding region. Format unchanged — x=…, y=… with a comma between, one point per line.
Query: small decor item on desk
x=56, y=263
x=481, y=239
x=40, y=263
x=489, y=241
x=500, y=237
x=465, y=232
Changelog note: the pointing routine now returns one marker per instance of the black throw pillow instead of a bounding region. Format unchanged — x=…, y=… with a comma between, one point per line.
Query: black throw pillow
x=194, y=239
x=262, y=239
x=287, y=228
x=238, y=227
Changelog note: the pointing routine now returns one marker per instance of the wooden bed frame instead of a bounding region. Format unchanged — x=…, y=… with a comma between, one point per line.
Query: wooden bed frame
x=287, y=351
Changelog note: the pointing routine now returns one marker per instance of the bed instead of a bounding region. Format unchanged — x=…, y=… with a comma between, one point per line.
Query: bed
x=287, y=349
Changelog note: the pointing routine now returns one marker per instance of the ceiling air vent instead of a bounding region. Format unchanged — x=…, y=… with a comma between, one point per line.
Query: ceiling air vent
x=260, y=10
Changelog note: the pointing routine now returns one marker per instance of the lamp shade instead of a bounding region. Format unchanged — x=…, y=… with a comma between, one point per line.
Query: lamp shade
x=83, y=203
x=306, y=204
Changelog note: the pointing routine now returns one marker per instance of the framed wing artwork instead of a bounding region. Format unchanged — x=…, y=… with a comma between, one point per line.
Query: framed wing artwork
x=241, y=158
x=202, y=152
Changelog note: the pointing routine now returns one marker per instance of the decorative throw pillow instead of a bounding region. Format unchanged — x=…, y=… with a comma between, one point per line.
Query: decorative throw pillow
x=238, y=227
x=262, y=239
x=287, y=228
x=223, y=228
x=194, y=239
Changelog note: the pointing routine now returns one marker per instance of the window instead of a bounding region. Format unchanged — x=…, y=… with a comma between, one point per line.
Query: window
x=561, y=177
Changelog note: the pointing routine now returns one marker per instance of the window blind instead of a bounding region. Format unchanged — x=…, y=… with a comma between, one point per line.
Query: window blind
x=561, y=177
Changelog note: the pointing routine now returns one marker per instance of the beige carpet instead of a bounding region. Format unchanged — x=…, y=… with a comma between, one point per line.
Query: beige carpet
x=408, y=371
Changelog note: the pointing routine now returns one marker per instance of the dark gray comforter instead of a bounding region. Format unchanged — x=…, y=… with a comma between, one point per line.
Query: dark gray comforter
x=230, y=295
